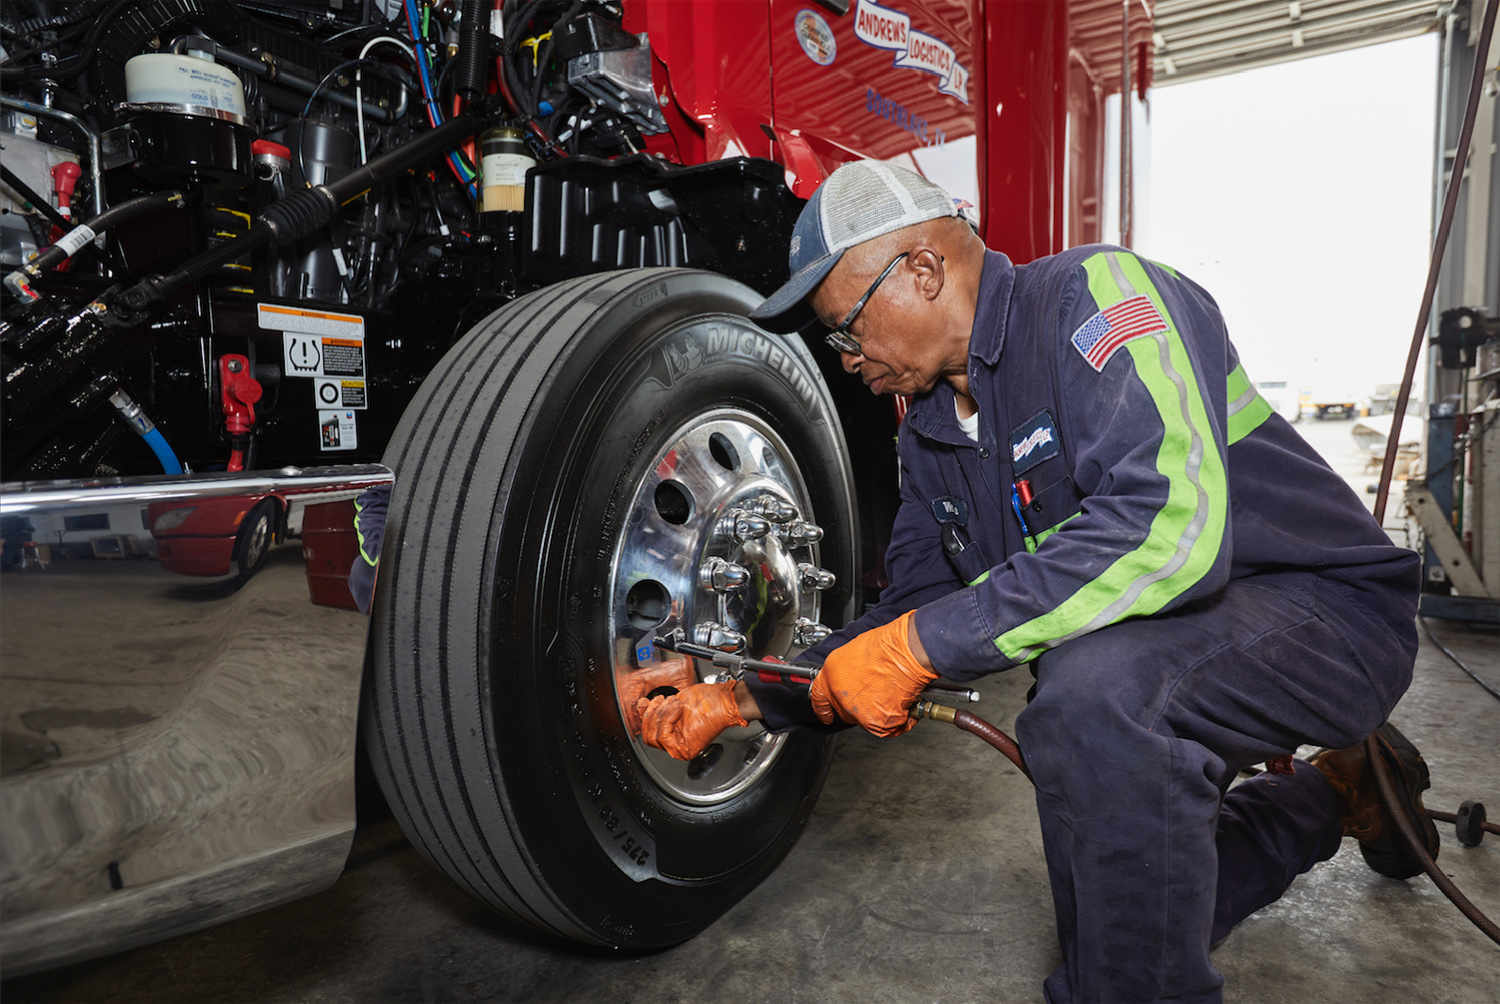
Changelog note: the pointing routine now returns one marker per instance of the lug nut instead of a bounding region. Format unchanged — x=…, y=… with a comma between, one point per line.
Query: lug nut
x=744, y=526
x=721, y=576
x=800, y=532
x=813, y=577
x=809, y=632
x=777, y=510
x=717, y=636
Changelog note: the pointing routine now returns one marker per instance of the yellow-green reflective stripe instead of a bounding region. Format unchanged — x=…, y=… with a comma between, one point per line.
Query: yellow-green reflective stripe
x=360, y=534
x=1047, y=533
x=982, y=576
x=1238, y=384
x=1247, y=409
x=1185, y=534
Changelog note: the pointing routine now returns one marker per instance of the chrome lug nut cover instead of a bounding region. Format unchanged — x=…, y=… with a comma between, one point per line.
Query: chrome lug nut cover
x=810, y=632
x=717, y=636
x=777, y=510
x=745, y=526
x=800, y=533
x=722, y=576
x=814, y=577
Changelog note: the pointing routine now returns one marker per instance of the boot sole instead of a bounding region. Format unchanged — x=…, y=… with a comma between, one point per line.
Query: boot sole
x=1389, y=855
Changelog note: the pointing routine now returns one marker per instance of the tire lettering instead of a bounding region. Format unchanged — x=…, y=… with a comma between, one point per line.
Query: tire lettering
x=636, y=850
x=624, y=929
x=621, y=485
x=650, y=294
x=720, y=339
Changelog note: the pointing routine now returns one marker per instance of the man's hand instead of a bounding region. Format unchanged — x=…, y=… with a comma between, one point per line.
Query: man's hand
x=687, y=721
x=677, y=674
x=872, y=680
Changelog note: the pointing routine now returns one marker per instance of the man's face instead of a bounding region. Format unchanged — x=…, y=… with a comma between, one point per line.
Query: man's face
x=896, y=353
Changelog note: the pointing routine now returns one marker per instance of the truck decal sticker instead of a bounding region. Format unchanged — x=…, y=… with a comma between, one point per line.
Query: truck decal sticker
x=904, y=118
x=816, y=38
x=887, y=28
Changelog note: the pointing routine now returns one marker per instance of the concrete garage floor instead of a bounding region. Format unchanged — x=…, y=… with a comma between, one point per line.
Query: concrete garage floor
x=920, y=878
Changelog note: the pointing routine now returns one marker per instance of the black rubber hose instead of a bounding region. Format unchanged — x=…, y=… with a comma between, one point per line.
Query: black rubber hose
x=1408, y=831
x=80, y=13
x=79, y=61
x=300, y=214
x=473, y=52
x=1005, y=744
x=114, y=215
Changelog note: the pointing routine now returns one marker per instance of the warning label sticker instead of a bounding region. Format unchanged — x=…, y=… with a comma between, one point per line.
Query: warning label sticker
x=339, y=393
x=312, y=322
x=317, y=343
x=322, y=356
x=336, y=430
x=344, y=357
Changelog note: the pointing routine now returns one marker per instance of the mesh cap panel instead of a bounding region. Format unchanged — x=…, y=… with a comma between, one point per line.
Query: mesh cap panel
x=858, y=202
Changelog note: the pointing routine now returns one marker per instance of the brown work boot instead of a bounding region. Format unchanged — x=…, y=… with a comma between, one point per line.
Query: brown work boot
x=1365, y=817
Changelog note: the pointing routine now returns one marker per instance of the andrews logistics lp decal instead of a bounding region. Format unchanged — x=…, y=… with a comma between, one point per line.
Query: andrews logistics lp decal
x=815, y=37
x=887, y=28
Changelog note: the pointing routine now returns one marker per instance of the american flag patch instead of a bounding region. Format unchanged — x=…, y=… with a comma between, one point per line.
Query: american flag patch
x=1099, y=336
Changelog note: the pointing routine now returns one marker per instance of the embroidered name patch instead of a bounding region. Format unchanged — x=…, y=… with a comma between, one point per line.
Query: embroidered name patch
x=1034, y=441
x=950, y=509
x=1099, y=336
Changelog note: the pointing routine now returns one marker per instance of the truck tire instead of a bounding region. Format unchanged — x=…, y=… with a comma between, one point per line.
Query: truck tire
x=562, y=479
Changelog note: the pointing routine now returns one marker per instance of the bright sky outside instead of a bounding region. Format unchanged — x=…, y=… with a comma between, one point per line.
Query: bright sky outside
x=1300, y=196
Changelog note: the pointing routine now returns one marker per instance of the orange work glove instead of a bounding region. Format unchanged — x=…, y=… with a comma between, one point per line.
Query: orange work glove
x=686, y=722
x=635, y=684
x=872, y=680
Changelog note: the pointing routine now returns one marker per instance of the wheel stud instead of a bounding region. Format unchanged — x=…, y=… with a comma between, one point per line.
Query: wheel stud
x=809, y=632
x=813, y=577
x=721, y=576
x=800, y=532
x=717, y=636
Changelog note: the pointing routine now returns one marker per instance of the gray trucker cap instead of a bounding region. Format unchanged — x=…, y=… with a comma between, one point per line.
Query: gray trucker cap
x=859, y=201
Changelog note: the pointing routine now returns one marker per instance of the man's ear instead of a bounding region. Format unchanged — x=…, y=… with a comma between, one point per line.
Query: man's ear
x=928, y=265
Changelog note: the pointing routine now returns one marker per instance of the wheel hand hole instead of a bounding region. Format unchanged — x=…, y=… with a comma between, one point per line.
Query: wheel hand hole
x=647, y=604
x=673, y=502
x=661, y=692
x=704, y=762
x=723, y=451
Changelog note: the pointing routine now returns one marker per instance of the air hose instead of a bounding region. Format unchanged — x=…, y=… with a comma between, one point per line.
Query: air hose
x=978, y=726
x=1470, y=820
x=147, y=430
x=1407, y=829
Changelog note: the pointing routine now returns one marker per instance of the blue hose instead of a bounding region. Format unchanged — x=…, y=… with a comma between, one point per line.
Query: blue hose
x=158, y=444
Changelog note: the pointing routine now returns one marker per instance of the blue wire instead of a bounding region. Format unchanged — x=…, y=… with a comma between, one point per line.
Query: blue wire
x=434, y=112
x=158, y=444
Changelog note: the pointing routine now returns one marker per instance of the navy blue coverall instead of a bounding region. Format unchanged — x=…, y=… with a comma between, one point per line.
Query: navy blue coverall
x=1195, y=590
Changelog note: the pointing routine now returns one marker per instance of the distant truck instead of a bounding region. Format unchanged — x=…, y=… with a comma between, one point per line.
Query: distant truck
x=1283, y=397
x=1332, y=401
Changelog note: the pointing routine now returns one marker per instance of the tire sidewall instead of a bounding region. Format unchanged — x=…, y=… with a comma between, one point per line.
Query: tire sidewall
x=664, y=351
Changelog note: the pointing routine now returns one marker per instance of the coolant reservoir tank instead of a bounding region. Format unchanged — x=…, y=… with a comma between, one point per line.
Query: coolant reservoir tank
x=190, y=85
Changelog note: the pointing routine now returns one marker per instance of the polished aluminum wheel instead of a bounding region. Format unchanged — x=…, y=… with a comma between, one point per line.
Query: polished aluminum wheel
x=720, y=541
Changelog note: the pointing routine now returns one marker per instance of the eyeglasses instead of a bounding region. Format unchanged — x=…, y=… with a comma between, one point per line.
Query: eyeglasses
x=839, y=337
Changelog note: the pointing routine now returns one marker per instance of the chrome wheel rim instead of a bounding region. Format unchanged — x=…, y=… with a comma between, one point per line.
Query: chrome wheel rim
x=720, y=541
